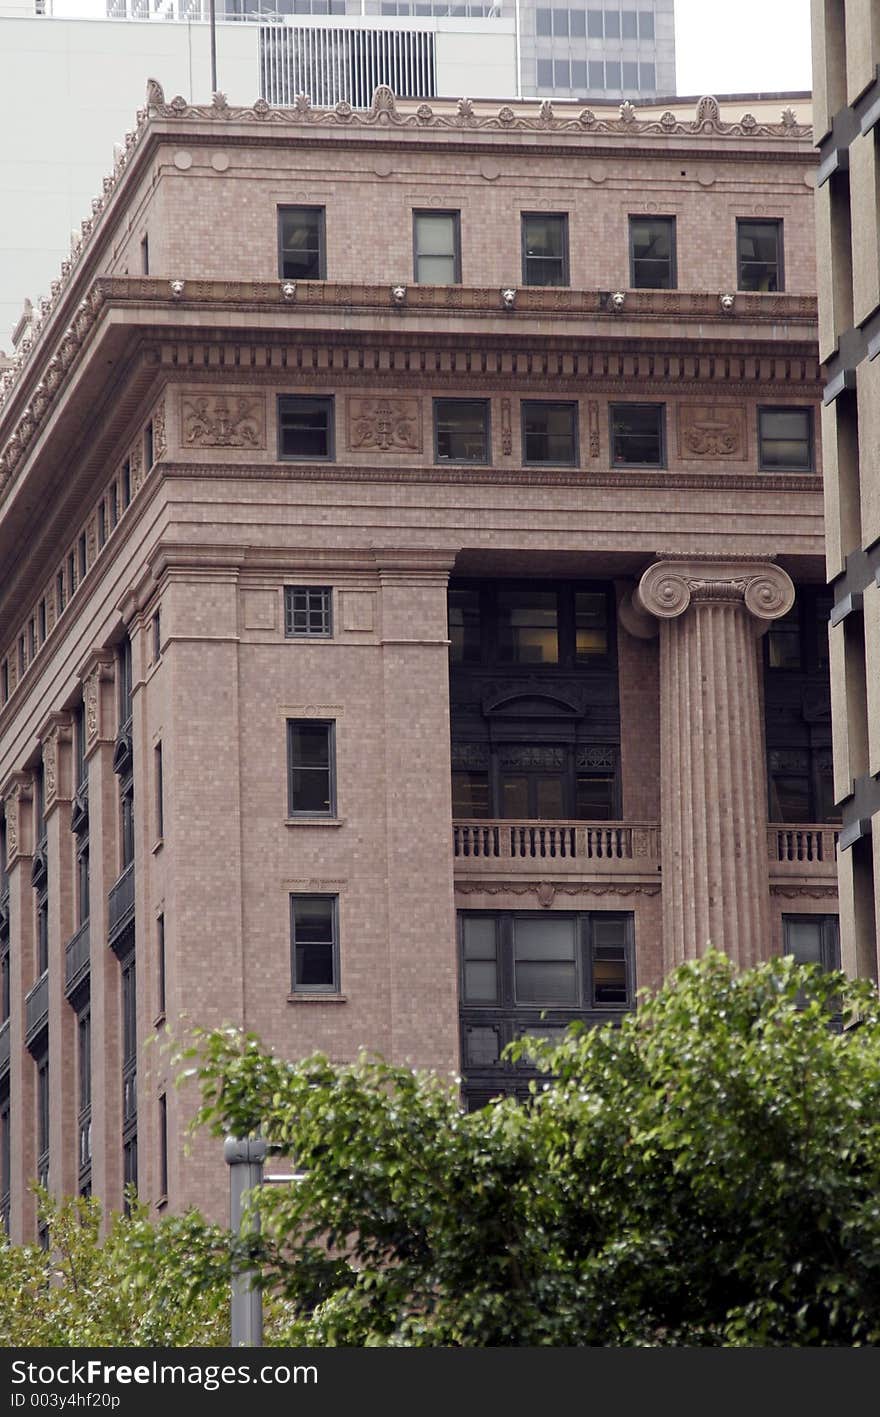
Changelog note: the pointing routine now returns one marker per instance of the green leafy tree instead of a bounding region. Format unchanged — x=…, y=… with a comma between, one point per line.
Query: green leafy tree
x=707, y=1174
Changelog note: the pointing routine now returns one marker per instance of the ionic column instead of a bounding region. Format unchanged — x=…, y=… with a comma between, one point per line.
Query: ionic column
x=713, y=792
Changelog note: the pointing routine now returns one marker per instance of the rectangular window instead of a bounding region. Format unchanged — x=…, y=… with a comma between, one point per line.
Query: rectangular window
x=545, y=73
x=549, y=433
x=148, y=446
x=311, y=768
x=126, y=483
x=646, y=24
x=114, y=504
x=145, y=256
x=652, y=252
x=41, y=620
x=759, y=255
x=60, y=600
x=612, y=75
x=577, y=28
x=160, y=793
x=528, y=627
x=543, y=23
x=301, y=244
x=163, y=1145
x=305, y=428
x=785, y=439
x=545, y=248
x=545, y=961
x=160, y=962
x=308, y=612
x=630, y=75
x=156, y=636
x=314, y=943
x=560, y=23
x=43, y=1117
x=84, y=1059
x=123, y=667
x=812, y=939
x=437, y=248
x=102, y=525
x=594, y=24
x=612, y=24
x=32, y=639
x=784, y=641
x=82, y=881
x=461, y=430
x=71, y=574
x=4, y=680
x=579, y=73
x=647, y=77
x=481, y=977
x=637, y=435
x=561, y=74
x=81, y=556
x=629, y=24
x=470, y=793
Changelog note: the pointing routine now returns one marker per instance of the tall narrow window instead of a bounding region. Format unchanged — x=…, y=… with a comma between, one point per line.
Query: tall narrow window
x=124, y=669
x=145, y=256
x=437, y=248
x=301, y=244
x=41, y=620
x=156, y=636
x=160, y=793
x=126, y=483
x=311, y=768
x=84, y=1067
x=60, y=600
x=5, y=1160
x=102, y=524
x=163, y=1145
x=160, y=962
x=148, y=446
x=759, y=255
x=314, y=943
x=545, y=248
x=114, y=504
x=129, y=1069
x=81, y=555
x=43, y=1119
x=652, y=252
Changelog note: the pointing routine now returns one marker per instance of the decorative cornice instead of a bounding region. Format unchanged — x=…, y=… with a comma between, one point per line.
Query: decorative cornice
x=798, y=892
x=614, y=363
x=468, y=117
x=543, y=888
x=668, y=587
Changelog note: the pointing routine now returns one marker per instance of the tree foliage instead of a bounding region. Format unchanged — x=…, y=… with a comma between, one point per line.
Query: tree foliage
x=707, y=1174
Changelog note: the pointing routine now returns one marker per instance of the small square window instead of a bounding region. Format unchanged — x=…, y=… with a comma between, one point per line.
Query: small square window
x=314, y=943
x=812, y=939
x=311, y=774
x=759, y=255
x=305, y=428
x=637, y=435
x=461, y=430
x=308, y=612
x=301, y=254
x=652, y=252
x=785, y=439
x=544, y=248
x=549, y=433
x=437, y=248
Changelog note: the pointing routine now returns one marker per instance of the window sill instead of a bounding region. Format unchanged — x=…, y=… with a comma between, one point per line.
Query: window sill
x=317, y=998
x=314, y=821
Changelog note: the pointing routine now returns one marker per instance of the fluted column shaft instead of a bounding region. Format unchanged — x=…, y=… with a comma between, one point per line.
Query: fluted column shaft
x=713, y=778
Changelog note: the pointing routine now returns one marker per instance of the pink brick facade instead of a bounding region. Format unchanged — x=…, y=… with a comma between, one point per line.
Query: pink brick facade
x=145, y=421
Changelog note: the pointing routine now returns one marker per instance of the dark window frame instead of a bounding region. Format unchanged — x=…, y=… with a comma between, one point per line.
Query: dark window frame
x=296, y=987
x=486, y=406
x=324, y=610
x=563, y=217
x=776, y=222
x=829, y=944
x=574, y=406
x=673, y=251
x=328, y=401
x=455, y=214
x=662, y=464
x=811, y=437
x=294, y=814
x=285, y=208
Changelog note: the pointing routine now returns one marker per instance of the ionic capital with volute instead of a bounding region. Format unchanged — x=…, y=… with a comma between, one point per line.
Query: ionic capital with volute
x=669, y=586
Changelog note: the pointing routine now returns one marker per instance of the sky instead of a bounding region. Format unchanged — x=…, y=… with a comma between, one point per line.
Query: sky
x=742, y=46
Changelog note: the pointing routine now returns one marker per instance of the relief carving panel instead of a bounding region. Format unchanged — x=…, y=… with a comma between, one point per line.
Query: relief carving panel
x=223, y=421
x=712, y=430
x=387, y=425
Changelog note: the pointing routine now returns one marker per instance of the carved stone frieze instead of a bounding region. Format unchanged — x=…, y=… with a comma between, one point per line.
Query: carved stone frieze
x=223, y=421
x=581, y=887
x=711, y=430
x=388, y=425
x=506, y=431
x=97, y=679
x=18, y=793
x=545, y=758
x=593, y=423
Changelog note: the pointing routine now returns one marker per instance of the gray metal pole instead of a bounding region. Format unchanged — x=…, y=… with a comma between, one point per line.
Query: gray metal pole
x=245, y=1161
x=213, y=47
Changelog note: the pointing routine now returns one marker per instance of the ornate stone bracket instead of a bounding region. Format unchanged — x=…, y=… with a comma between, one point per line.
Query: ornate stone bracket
x=669, y=586
x=55, y=735
x=98, y=676
x=17, y=793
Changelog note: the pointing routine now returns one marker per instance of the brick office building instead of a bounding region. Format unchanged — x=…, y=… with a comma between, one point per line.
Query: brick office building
x=411, y=616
